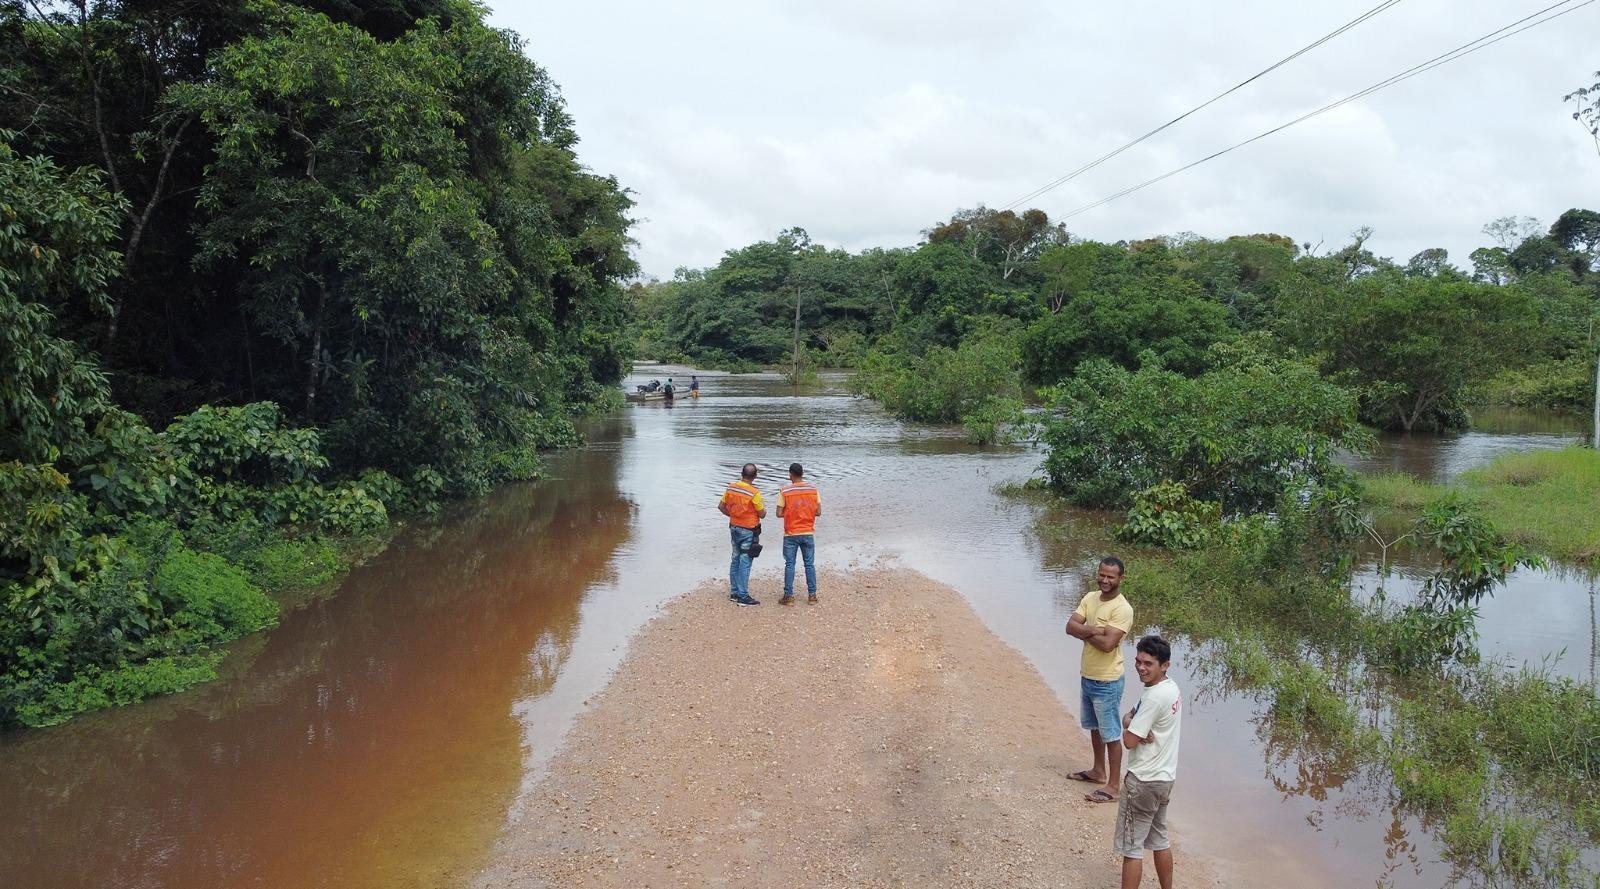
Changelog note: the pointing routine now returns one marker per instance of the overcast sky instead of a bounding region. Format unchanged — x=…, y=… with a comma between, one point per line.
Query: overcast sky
x=866, y=122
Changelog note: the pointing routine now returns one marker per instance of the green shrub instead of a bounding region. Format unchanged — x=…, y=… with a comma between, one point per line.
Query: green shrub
x=1563, y=385
x=1416, y=638
x=844, y=349
x=245, y=445
x=293, y=563
x=1165, y=515
x=1242, y=434
x=515, y=464
x=127, y=683
x=1475, y=557
x=994, y=420
x=943, y=385
x=209, y=600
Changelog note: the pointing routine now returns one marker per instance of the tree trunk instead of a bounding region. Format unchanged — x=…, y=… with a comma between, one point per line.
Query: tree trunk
x=797, y=336
x=314, y=369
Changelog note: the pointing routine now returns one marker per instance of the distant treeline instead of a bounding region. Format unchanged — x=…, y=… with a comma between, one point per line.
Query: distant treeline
x=1420, y=339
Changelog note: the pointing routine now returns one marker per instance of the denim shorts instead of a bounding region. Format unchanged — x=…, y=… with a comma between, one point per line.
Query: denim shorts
x=1099, y=708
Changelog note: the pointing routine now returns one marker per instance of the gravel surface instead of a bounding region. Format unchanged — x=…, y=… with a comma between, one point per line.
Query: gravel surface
x=883, y=737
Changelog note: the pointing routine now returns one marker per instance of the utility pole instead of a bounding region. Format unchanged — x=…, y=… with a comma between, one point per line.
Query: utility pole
x=797, y=336
x=1597, y=400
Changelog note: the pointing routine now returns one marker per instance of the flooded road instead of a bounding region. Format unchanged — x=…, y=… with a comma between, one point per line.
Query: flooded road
x=383, y=734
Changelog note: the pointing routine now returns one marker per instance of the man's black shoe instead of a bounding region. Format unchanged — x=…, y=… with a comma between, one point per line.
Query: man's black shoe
x=745, y=600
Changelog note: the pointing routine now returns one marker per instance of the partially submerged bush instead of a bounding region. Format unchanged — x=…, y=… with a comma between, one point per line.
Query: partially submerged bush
x=943, y=385
x=1165, y=515
x=1243, y=434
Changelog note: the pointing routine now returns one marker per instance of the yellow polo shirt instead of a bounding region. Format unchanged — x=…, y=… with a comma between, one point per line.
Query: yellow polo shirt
x=1097, y=612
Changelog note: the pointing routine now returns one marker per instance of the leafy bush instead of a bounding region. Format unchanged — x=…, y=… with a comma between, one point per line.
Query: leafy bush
x=942, y=385
x=127, y=683
x=1423, y=637
x=1242, y=434
x=1563, y=385
x=1170, y=318
x=993, y=420
x=844, y=349
x=246, y=445
x=1165, y=515
x=209, y=601
x=1476, y=558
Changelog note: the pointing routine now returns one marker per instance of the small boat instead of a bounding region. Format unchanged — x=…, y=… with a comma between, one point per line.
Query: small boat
x=657, y=395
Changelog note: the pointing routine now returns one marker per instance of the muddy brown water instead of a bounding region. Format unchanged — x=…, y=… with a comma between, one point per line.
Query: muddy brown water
x=383, y=734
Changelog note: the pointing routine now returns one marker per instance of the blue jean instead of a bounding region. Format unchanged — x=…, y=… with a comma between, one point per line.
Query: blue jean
x=739, y=568
x=1099, y=706
x=807, y=545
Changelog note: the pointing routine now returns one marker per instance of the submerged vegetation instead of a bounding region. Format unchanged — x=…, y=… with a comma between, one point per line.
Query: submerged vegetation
x=1501, y=761
x=1545, y=500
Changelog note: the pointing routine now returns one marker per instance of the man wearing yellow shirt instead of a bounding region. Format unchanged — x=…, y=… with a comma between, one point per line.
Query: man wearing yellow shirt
x=1101, y=620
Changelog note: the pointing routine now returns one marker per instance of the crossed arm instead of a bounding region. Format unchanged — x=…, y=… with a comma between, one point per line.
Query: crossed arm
x=1105, y=638
x=1129, y=739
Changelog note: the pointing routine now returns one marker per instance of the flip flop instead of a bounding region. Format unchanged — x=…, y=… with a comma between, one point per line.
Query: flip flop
x=1083, y=775
x=1100, y=796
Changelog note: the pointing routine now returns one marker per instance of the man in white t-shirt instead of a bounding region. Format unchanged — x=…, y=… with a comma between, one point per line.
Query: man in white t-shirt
x=1150, y=732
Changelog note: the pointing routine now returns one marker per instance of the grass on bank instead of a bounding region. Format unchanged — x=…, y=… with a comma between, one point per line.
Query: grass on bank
x=1548, y=501
x=1501, y=763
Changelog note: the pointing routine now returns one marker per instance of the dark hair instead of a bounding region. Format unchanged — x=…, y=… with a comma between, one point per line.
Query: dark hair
x=749, y=471
x=1156, y=647
x=1113, y=560
x=796, y=470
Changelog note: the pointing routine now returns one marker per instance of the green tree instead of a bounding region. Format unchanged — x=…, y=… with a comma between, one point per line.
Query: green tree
x=1004, y=239
x=1169, y=317
x=1415, y=344
x=1241, y=435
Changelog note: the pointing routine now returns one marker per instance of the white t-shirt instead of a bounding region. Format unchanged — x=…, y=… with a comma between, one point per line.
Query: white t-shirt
x=1156, y=719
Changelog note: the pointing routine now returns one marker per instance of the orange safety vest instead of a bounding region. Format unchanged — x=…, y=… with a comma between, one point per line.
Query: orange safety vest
x=741, y=498
x=800, y=503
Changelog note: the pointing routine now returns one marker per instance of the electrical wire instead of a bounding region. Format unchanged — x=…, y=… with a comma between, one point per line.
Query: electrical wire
x=1268, y=70
x=1443, y=59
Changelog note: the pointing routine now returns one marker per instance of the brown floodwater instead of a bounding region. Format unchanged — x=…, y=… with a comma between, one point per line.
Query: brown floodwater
x=383, y=734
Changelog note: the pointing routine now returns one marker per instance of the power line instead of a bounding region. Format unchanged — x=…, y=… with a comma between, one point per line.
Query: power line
x=1443, y=59
x=1268, y=70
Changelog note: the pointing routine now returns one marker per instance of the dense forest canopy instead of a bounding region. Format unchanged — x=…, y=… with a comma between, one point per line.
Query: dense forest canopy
x=370, y=214
x=270, y=273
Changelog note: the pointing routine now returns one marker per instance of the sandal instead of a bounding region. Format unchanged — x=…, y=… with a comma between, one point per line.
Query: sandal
x=1100, y=796
x=1085, y=775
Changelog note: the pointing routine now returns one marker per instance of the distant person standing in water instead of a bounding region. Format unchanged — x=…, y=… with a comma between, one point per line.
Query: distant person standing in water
x=742, y=504
x=1150, y=732
x=667, y=390
x=1101, y=620
x=799, y=504
x=694, y=386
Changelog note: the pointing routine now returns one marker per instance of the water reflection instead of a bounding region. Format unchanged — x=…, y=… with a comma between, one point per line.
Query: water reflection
x=1440, y=458
x=380, y=737
x=1541, y=617
x=369, y=740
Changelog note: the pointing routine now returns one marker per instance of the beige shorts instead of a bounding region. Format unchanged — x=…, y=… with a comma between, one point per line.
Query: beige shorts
x=1141, y=817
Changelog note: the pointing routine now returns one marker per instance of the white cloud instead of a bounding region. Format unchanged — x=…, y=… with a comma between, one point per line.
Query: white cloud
x=866, y=123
